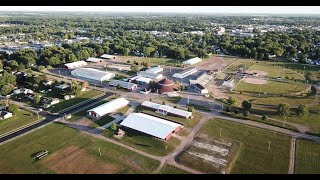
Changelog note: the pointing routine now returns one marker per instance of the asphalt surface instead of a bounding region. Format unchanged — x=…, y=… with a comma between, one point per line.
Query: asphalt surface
x=50, y=117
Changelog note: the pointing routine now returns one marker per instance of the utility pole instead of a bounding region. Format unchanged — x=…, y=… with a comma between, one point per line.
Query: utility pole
x=269, y=145
x=220, y=132
x=99, y=151
x=284, y=121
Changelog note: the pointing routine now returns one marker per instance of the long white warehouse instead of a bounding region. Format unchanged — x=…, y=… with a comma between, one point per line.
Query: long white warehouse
x=185, y=73
x=192, y=61
x=107, y=108
x=151, y=125
x=74, y=65
x=165, y=109
x=93, y=74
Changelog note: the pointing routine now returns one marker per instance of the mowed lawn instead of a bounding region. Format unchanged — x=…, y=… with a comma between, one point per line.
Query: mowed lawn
x=272, y=87
x=307, y=157
x=16, y=156
x=254, y=156
x=22, y=118
x=169, y=169
x=146, y=143
x=277, y=71
x=68, y=103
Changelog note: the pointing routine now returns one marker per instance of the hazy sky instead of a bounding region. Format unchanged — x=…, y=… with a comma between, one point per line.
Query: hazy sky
x=176, y=9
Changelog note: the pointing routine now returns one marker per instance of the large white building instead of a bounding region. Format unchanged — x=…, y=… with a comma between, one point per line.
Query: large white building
x=76, y=64
x=125, y=85
x=151, y=125
x=150, y=75
x=185, y=73
x=165, y=109
x=155, y=70
x=108, y=56
x=94, y=60
x=192, y=61
x=92, y=74
x=107, y=108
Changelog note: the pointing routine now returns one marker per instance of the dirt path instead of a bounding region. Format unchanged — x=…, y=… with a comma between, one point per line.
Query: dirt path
x=292, y=155
x=171, y=157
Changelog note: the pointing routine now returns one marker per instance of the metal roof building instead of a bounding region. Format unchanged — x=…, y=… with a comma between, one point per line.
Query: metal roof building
x=149, y=75
x=185, y=73
x=123, y=84
x=76, y=64
x=151, y=125
x=107, y=108
x=108, y=56
x=94, y=60
x=192, y=61
x=154, y=70
x=165, y=109
x=93, y=74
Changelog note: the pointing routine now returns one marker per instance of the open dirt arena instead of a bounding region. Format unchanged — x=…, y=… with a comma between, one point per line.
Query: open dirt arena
x=260, y=73
x=212, y=63
x=74, y=160
x=254, y=80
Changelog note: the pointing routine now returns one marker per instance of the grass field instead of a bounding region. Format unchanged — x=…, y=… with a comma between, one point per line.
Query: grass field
x=254, y=156
x=16, y=156
x=277, y=71
x=258, y=119
x=307, y=157
x=68, y=103
x=168, y=169
x=186, y=122
x=313, y=70
x=146, y=143
x=202, y=108
x=123, y=110
x=101, y=122
x=272, y=87
x=22, y=118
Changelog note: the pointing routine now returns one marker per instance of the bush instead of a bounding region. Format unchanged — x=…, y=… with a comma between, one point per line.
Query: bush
x=236, y=111
x=191, y=109
x=13, y=108
x=232, y=100
x=246, y=113
x=128, y=62
x=264, y=117
x=228, y=109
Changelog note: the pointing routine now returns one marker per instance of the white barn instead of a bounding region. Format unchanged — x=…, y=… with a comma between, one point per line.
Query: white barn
x=155, y=70
x=125, y=85
x=151, y=125
x=192, y=61
x=108, y=56
x=165, y=109
x=107, y=108
x=93, y=74
x=94, y=60
x=185, y=73
x=150, y=75
x=76, y=64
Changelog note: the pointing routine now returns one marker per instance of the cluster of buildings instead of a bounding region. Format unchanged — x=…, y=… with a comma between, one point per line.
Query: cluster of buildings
x=144, y=123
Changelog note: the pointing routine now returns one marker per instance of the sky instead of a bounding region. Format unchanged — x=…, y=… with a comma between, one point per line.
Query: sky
x=175, y=9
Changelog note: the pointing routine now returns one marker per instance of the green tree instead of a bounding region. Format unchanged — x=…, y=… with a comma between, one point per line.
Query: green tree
x=246, y=105
x=76, y=89
x=6, y=89
x=246, y=113
x=302, y=110
x=191, y=109
x=114, y=126
x=36, y=98
x=13, y=108
x=232, y=100
x=134, y=68
x=264, y=117
x=284, y=109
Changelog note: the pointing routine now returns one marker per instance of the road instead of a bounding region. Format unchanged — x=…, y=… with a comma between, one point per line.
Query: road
x=49, y=118
x=292, y=155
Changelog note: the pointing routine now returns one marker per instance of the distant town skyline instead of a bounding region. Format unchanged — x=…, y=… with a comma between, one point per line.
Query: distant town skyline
x=175, y=9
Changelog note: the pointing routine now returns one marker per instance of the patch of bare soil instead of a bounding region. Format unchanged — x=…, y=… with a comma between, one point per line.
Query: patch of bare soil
x=254, y=80
x=74, y=160
x=260, y=73
x=212, y=64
